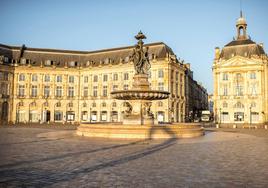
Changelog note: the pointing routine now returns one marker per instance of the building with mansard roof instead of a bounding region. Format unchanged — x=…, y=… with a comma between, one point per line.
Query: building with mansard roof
x=47, y=85
x=240, y=73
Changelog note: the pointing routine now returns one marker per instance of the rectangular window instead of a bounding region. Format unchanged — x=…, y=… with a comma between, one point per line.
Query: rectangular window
x=161, y=86
x=225, y=90
x=115, y=87
x=59, y=78
x=177, y=89
x=59, y=91
x=252, y=75
x=125, y=87
x=225, y=117
x=225, y=76
x=86, y=79
x=46, y=91
x=177, y=76
x=21, y=90
x=71, y=92
x=47, y=78
x=253, y=89
x=160, y=73
x=21, y=77
x=71, y=79
x=95, y=91
x=95, y=78
x=58, y=116
x=172, y=75
x=115, y=77
x=34, y=78
x=104, y=91
x=34, y=91
x=85, y=91
x=239, y=90
x=125, y=76
x=105, y=78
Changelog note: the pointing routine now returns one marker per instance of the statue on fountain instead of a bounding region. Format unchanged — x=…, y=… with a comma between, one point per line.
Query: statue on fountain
x=140, y=56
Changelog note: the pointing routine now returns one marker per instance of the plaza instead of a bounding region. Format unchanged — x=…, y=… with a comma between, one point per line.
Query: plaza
x=53, y=156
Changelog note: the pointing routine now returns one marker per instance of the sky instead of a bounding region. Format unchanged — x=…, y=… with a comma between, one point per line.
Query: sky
x=192, y=28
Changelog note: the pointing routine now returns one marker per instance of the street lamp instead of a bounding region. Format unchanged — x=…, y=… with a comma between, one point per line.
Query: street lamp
x=250, y=117
x=220, y=116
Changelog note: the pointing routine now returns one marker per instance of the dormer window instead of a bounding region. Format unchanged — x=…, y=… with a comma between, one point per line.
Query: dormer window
x=6, y=59
x=72, y=64
x=48, y=63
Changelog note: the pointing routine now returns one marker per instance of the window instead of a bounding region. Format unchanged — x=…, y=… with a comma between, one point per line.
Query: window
x=114, y=104
x=86, y=79
x=177, y=76
x=161, y=86
x=59, y=91
x=160, y=73
x=72, y=64
x=160, y=104
x=46, y=91
x=225, y=116
x=238, y=77
x=70, y=105
x=34, y=78
x=94, y=104
x=47, y=78
x=21, y=90
x=95, y=78
x=239, y=116
x=253, y=89
x=125, y=76
x=177, y=89
x=103, y=104
x=95, y=91
x=104, y=91
x=59, y=78
x=115, y=77
x=71, y=79
x=71, y=92
x=125, y=87
x=58, y=116
x=225, y=76
x=85, y=91
x=225, y=90
x=238, y=105
x=252, y=75
x=105, y=78
x=5, y=76
x=84, y=104
x=225, y=105
x=48, y=62
x=34, y=91
x=253, y=105
x=239, y=90
x=172, y=74
x=21, y=77
x=115, y=87
x=58, y=104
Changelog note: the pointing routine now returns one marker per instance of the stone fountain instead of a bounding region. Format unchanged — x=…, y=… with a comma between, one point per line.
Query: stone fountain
x=138, y=121
x=140, y=96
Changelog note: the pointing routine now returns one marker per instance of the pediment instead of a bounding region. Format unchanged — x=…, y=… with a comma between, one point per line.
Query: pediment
x=238, y=61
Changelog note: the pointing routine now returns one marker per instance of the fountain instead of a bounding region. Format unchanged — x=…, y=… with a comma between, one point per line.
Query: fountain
x=138, y=120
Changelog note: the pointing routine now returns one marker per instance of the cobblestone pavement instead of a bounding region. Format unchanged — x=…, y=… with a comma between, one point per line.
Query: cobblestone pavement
x=40, y=157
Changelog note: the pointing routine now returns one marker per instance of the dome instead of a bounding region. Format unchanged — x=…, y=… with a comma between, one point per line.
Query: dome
x=245, y=48
x=241, y=21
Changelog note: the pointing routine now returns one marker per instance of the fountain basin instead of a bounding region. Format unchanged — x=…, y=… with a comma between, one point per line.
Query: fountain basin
x=182, y=130
x=140, y=95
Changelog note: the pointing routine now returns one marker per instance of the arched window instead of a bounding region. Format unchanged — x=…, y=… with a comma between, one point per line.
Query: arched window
x=238, y=105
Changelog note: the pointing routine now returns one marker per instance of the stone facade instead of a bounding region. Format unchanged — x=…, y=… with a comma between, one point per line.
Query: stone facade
x=240, y=72
x=45, y=85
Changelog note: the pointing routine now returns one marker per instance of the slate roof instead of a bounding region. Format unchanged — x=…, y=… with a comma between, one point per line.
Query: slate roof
x=61, y=57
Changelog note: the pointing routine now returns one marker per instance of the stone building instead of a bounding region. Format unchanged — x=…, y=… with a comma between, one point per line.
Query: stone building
x=241, y=81
x=47, y=85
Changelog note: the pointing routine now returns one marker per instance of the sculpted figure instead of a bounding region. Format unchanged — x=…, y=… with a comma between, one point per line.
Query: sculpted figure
x=140, y=56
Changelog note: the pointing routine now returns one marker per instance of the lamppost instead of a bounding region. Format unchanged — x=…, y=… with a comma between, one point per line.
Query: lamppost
x=250, y=117
x=220, y=116
x=90, y=114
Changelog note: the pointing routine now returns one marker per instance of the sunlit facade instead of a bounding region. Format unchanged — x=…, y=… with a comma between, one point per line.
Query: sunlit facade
x=45, y=85
x=240, y=73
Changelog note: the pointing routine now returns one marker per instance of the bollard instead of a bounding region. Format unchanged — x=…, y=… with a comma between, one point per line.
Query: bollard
x=217, y=126
x=234, y=126
x=266, y=126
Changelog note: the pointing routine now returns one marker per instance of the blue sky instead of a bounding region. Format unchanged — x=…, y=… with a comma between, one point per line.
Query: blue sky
x=192, y=28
